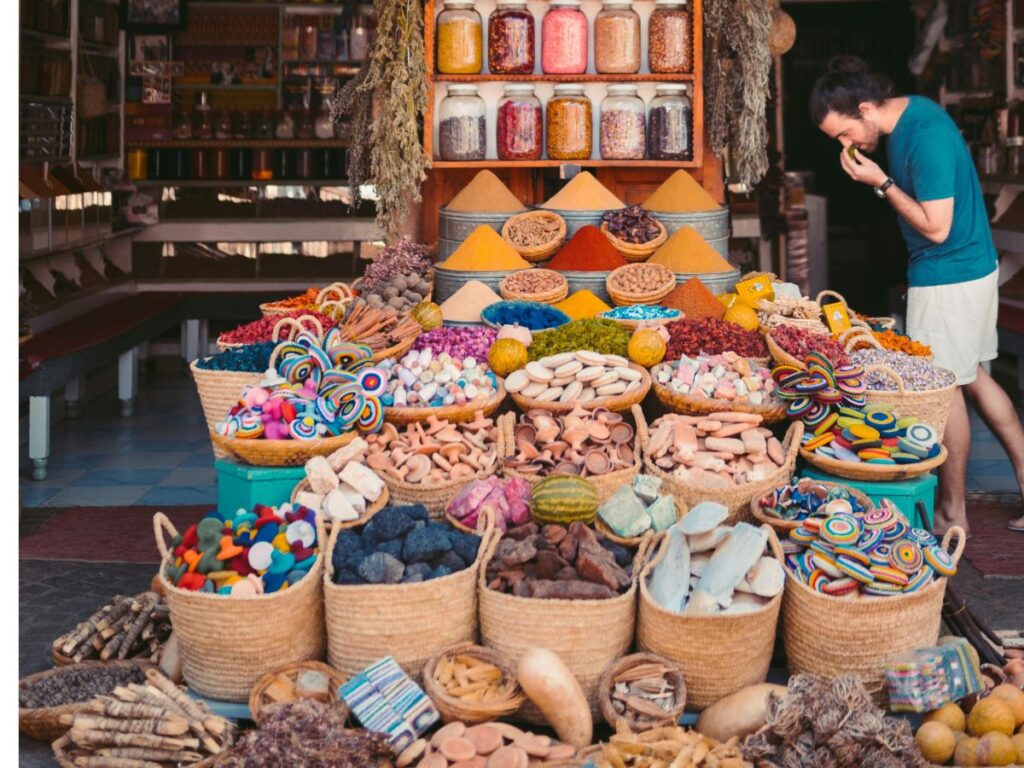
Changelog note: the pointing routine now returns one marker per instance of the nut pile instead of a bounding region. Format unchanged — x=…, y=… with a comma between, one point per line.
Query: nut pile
x=533, y=231
x=640, y=279
x=582, y=443
x=668, y=745
x=569, y=377
x=494, y=745
x=715, y=451
x=75, y=683
x=709, y=336
x=470, y=679
x=574, y=563
x=721, y=377
x=126, y=628
x=645, y=693
x=533, y=281
x=435, y=451
x=632, y=225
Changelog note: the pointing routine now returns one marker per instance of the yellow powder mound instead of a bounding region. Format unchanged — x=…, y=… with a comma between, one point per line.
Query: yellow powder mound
x=686, y=251
x=680, y=193
x=584, y=193
x=485, y=194
x=581, y=305
x=485, y=251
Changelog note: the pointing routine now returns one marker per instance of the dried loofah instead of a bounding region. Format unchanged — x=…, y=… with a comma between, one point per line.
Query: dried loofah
x=831, y=723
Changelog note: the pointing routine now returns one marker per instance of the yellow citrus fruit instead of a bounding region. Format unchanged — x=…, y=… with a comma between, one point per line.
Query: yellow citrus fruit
x=1018, y=743
x=507, y=355
x=1013, y=696
x=646, y=347
x=950, y=714
x=996, y=749
x=966, y=752
x=936, y=741
x=741, y=315
x=990, y=714
x=728, y=299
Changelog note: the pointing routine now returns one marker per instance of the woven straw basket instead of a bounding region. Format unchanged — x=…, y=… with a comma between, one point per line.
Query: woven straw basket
x=881, y=473
x=634, y=252
x=470, y=712
x=621, y=402
x=434, y=497
x=410, y=622
x=259, y=707
x=930, y=406
x=536, y=253
x=278, y=453
x=783, y=527
x=371, y=509
x=552, y=296
x=606, y=484
x=781, y=356
x=227, y=642
x=588, y=635
x=674, y=674
x=456, y=413
x=834, y=636
x=702, y=406
x=43, y=724
x=737, y=499
x=218, y=393
x=719, y=654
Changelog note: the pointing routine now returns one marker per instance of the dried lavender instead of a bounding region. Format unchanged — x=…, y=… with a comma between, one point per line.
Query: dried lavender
x=76, y=683
x=309, y=734
x=632, y=224
x=403, y=258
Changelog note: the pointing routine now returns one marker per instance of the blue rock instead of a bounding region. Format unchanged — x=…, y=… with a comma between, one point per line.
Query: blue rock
x=348, y=577
x=392, y=547
x=465, y=545
x=417, y=572
x=449, y=560
x=382, y=568
x=424, y=544
x=439, y=572
x=389, y=523
x=414, y=578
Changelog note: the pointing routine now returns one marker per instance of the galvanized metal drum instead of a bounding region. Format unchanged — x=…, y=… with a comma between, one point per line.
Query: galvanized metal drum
x=456, y=226
x=448, y=281
x=590, y=281
x=713, y=226
x=716, y=282
x=576, y=220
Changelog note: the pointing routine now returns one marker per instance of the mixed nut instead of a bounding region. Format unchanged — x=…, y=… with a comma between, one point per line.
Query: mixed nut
x=435, y=451
x=570, y=377
x=582, y=442
x=530, y=281
x=641, y=279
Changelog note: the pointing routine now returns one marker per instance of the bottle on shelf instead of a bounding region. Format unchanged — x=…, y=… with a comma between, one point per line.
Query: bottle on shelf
x=520, y=132
x=564, y=39
x=463, y=128
x=459, y=39
x=669, y=124
x=623, y=124
x=510, y=39
x=617, y=39
x=202, y=127
x=285, y=126
x=263, y=126
x=570, y=124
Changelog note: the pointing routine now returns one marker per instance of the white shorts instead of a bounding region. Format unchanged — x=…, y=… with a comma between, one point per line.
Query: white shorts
x=958, y=321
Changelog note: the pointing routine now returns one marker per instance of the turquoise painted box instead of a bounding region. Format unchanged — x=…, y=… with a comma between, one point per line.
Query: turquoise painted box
x=904, y=493
x=241, y=486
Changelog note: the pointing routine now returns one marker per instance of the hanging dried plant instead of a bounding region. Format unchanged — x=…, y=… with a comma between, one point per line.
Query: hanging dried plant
x=385, y=103
x=737, y=70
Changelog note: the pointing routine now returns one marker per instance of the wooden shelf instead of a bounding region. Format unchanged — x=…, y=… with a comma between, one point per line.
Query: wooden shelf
x=242, y=144
x=44, y=99
x=219, y=87
x=643, y=77
x=235, y=184
x=598, y=163
x=79, y=245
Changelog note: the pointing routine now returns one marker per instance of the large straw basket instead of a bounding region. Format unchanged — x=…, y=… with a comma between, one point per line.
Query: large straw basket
x=720, y=653
x=276, y=629
x=677, y=402
x=588, y=635
x=278, y=453
x=617, y=403
x=858, y=635
x=653, y=296
x=633, y=542
x=454, y=413
x=606, y=484
x=877, y=473
x=261, y=705
x=363, y=519
x=929, y=406
x=294, y=326
x=435, y=498
x=634, y=252
x=783, y=527
x=536, y=252
x=470, y=712
x=552, y=296
x=737, y=498
x=43, y=723
x=673, y=674
x=410, y=622
x=219, y=391
x=781, y=356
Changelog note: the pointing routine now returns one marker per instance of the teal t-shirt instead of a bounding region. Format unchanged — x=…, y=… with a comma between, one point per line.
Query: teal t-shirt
x=929, y=160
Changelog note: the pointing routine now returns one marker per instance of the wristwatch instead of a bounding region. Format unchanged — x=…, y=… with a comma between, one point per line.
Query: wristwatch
x=880, y=191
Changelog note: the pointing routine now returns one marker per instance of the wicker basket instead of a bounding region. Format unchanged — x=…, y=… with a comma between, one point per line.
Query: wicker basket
x=278, y=453
x=650, y=297
x=371, y=510
x=537, y=253
x=43, y=723
x=617, y=403
x=470, y=712
x=834, y=636
x=783, y=527
x=737, y=498
x=260, y=706
x=293, y=324
x=930, y=406
x=219, y=391
x=588, y=635
x=719, y=654
x=874, y=473
x=411, y=622
x=632, y=542
x=435, y=498
x=674, y=674
x=677, y=402
x=634, y=324
x=276, y=629
x=607, y=484
x=454, y=413
x=635, y=252
x=781, y=356
x=552, y=296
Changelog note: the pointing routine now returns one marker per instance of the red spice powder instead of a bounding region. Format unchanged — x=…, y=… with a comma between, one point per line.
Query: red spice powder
x=695, y=300
x=588, y=251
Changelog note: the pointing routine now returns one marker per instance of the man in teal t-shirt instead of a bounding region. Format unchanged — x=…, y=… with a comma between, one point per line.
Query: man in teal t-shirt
x=953, y=295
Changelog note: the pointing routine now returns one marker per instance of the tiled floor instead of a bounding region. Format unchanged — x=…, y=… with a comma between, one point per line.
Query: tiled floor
x=162, y=454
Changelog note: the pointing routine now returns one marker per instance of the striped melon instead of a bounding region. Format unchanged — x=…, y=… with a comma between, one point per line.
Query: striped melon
x=564, y=499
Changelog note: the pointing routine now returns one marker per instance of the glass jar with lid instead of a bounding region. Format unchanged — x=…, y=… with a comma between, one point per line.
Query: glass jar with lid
x=670, y=38
x=263, y=125
x=463, y=128
x=510, y=39
x=623, y=124
x=669, y=124
x=564, y=39
x=617, y=39
x=570, y=124
x=460, y=39
x=284, y=128
x=520, y=133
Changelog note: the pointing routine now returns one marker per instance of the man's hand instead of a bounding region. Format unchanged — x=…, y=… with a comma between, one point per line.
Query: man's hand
x=862, y=169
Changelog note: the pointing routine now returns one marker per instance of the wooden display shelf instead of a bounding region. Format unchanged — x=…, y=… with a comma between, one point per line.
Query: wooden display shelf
x=640, y=77
x=219, y=87
x=241, y=144
x=236, y=183
x=598, y=163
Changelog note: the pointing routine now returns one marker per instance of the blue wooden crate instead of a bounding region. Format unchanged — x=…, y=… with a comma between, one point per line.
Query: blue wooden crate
x=241, y=486
x=903, y=493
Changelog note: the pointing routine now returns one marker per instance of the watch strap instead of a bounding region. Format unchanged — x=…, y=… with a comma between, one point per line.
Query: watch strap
x=881, y=190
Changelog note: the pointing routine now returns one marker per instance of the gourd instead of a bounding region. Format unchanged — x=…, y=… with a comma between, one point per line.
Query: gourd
x=646, y=347
x=564, y=499
x=548, y=683
x=742, y=315
x=506, y=356
x=427, y=314
x=738, y=714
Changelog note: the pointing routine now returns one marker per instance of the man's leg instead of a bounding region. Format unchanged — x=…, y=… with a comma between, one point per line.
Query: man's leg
x=997, y=410
x=952, y=507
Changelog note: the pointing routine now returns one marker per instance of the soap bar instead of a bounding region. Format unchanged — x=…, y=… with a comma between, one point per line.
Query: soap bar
x=662, y=513
x=625, y=514
x=731, y=562
x=363, y=479
x=670, y=578
x=647, y=487
x=313, y=685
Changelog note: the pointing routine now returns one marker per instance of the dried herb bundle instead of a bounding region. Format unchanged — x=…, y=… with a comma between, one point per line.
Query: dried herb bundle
x=737, y=66
x=386, y=102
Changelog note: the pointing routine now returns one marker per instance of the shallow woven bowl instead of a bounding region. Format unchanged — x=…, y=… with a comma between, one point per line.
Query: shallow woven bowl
x=652, y=323
x=884, y=473
x=674, y=673
x=551, y=296
x=487, y=314
x=648, y=297
x=452, y=708
x=635, y=252
x=536, y=253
